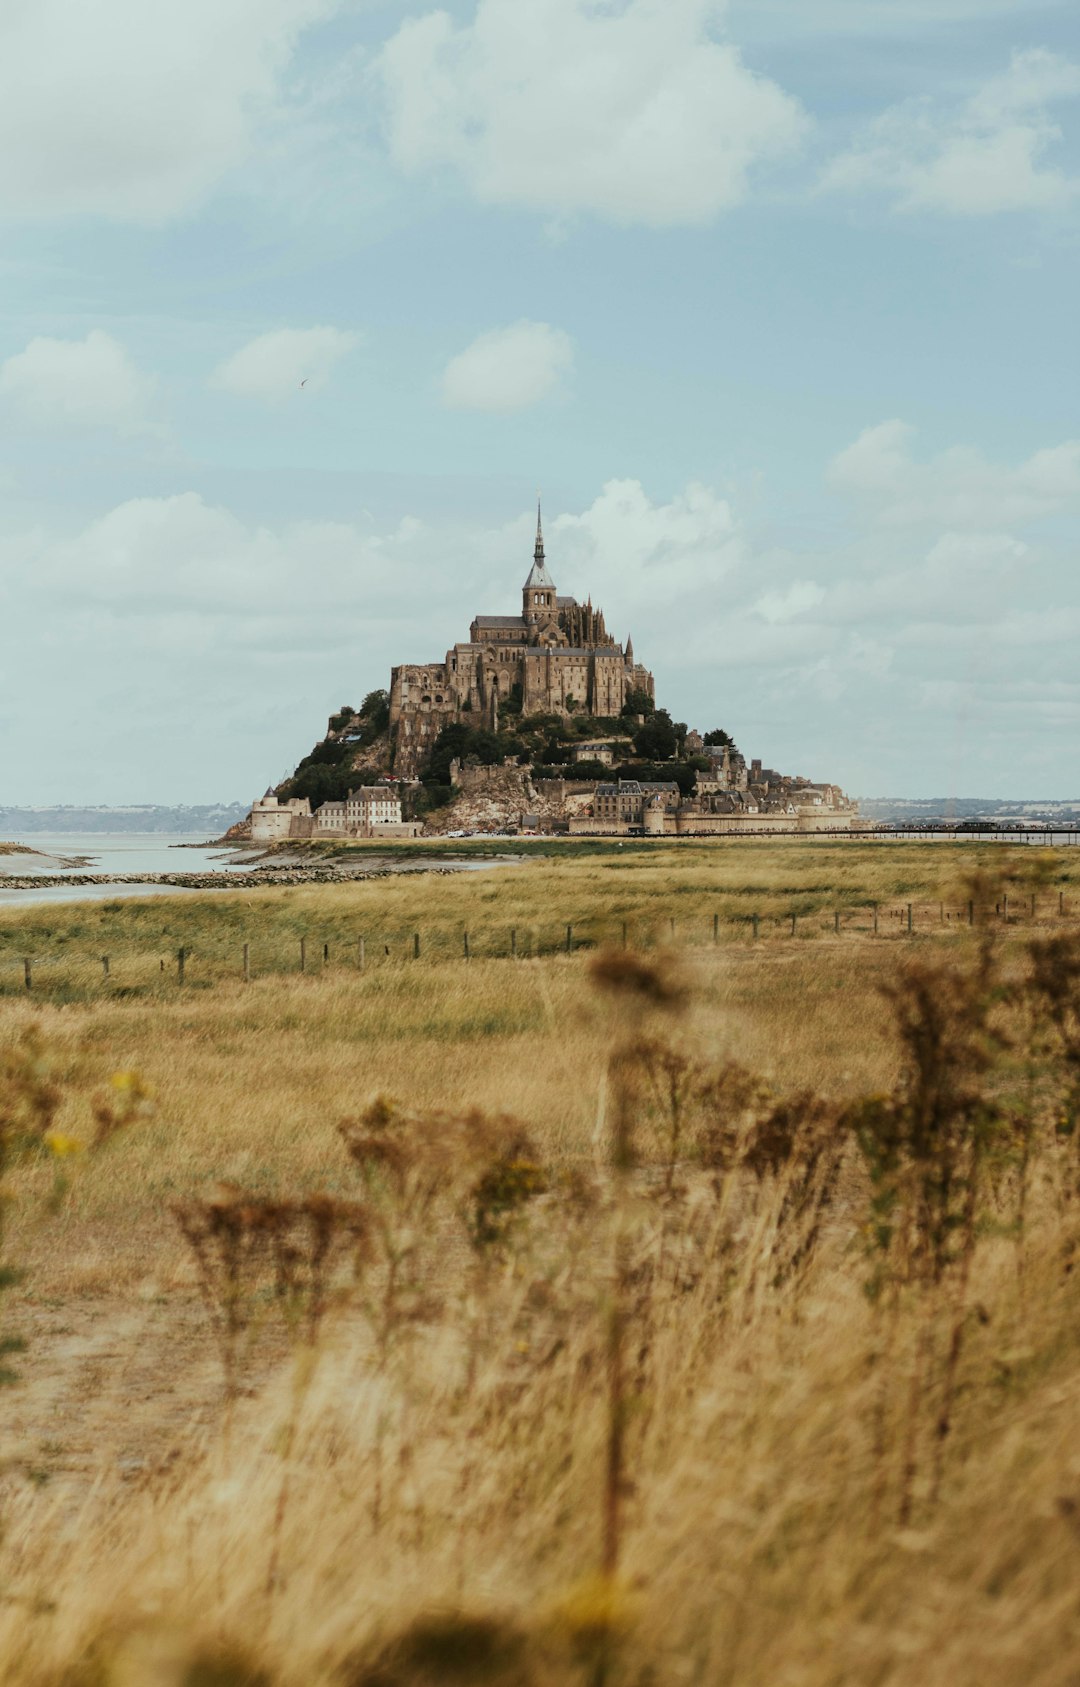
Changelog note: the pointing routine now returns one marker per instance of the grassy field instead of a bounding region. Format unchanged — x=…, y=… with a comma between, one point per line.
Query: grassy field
x=573, y=1375
x=596, y=889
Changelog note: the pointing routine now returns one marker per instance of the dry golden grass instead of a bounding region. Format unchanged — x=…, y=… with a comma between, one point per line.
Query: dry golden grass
x=596, y=891
x=443, y=1506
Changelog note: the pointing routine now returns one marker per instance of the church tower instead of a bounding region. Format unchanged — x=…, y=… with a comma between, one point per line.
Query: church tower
x=539, y=605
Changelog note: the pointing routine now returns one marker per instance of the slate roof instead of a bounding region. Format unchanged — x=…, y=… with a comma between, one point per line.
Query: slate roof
x=612, y=651
x=635, y=788
x=539, y=576
x=499, y=620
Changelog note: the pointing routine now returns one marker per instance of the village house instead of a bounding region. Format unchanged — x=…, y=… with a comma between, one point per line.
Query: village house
x=602, y=752
x=371, y=811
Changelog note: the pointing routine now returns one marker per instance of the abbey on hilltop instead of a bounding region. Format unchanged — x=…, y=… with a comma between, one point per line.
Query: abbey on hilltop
x=539, y=722
x=555, y=657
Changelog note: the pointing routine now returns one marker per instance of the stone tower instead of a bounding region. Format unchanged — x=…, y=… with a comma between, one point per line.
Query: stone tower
x=539, y=603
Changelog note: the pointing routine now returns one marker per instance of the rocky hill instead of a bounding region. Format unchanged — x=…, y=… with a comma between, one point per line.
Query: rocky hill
x=491, y=799
x=476, y=778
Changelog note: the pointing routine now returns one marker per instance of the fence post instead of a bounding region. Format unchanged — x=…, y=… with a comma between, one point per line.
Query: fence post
x=105, y=966
x=360, y=953
x=716, y=928
x=513, y=942
x=181, y=957
x=909, y=918
x=569, y=940
x=303, y=954
x=247, y=963
x=875, y=918
x=466, y=938
x=326, y=954
x=1005, y=907
x=793, y=919
x=971, y=913
x=754, y=918
x=416, y=946
x=27, y=978
x=836, y=922
x=672, y=925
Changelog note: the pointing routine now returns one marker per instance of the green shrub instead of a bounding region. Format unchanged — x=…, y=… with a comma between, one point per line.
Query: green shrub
x=638, y=703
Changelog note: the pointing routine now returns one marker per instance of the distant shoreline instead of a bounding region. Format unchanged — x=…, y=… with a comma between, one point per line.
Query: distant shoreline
x=145, y=819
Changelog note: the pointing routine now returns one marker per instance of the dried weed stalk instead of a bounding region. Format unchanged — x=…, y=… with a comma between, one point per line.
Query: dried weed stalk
x=1055, y=985
x=250, y=1251
x=926, y=1149
x=636, y=987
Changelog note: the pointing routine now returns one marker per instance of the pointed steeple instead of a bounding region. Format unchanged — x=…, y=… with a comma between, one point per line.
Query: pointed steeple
x=538, y=574
x=629, y=653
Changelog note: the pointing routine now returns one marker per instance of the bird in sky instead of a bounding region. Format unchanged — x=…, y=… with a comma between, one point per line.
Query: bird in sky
x=304, y=382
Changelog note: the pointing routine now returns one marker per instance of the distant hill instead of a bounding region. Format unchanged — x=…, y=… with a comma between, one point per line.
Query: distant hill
x=208, y=819
x=965, y=808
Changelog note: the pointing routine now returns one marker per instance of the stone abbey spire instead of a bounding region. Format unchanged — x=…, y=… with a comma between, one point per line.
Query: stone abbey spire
x=539, y=598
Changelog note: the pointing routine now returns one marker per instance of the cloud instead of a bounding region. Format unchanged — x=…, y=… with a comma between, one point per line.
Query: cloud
x=857, y=18
x=979, y=159
x=957, y=489
x=800, y=597
x=508, y=368
x=630, y=110
x=922, y=595
x=664, y=559
x=272, y=366
x=129, y=110
x=78, y=384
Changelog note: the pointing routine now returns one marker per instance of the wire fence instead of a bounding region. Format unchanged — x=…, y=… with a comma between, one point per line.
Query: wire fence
x=132, y=969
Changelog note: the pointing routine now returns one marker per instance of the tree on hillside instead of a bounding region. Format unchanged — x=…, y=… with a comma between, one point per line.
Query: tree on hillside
x=449, y=746
x=638, y=703
x=458, y=742
x=375, y=711
x=321, y=782
x=656, y=740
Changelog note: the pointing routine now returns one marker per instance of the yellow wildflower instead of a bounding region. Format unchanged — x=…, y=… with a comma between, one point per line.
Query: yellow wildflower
x=61, y=1145
x=128, y=1081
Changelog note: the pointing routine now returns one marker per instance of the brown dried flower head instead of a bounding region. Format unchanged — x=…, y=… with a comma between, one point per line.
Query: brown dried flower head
x=633, y=977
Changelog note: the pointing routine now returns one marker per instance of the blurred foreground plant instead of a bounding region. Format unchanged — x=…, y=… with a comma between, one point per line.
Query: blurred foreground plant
x=926, y=1148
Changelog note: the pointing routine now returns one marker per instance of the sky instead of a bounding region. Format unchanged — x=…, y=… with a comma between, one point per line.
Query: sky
x=774, y=300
